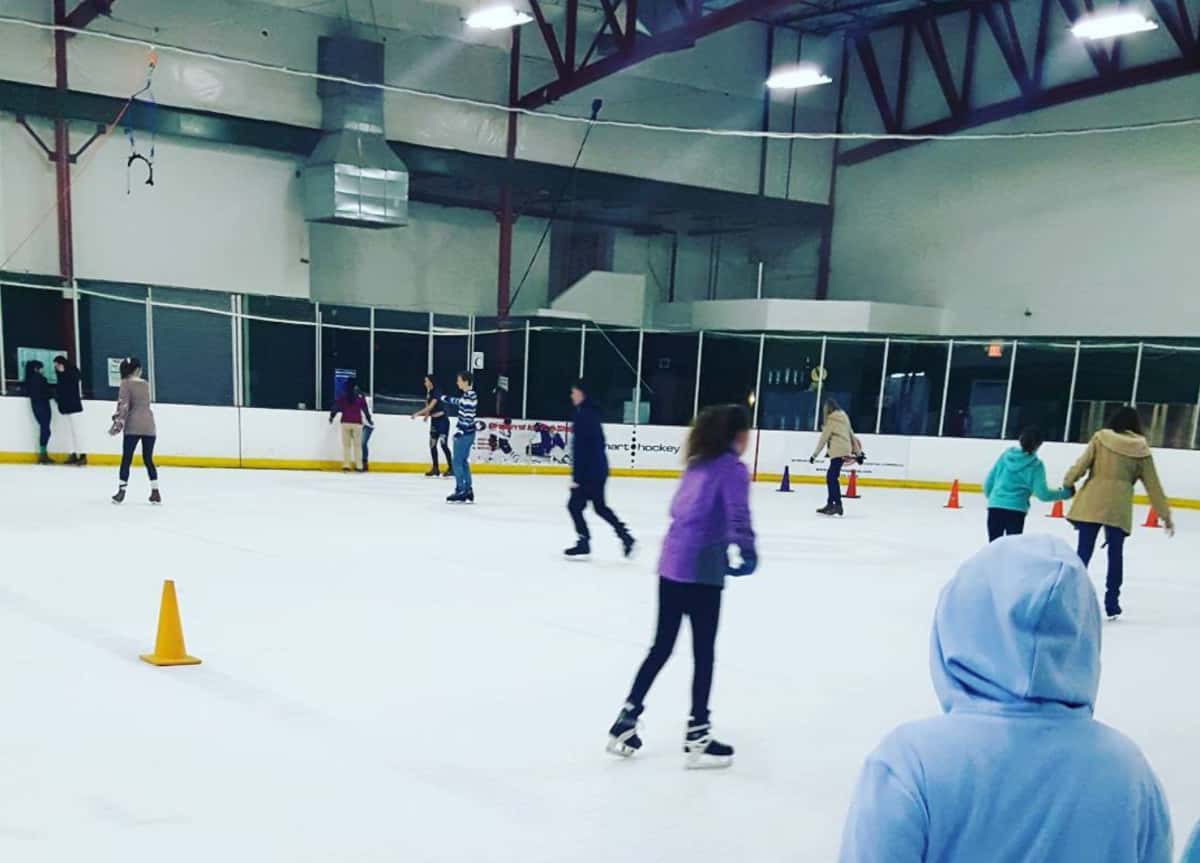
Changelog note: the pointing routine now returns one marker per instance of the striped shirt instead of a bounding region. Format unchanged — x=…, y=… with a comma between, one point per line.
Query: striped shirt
x=466, y=404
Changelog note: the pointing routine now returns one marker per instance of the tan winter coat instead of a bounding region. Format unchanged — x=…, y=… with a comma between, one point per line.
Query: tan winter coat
x=134, y=416
x=837, y=434
x=1113, y=463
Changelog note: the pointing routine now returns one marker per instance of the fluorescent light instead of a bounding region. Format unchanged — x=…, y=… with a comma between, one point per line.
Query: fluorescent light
x=497, y=18
x=1109, y=25
x=796, y=77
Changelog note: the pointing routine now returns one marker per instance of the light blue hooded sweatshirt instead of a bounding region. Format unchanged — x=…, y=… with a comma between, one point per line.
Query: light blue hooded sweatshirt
x=1014, y=477
x=1016, y=770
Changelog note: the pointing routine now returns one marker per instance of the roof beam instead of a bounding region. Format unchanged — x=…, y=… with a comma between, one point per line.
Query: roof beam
x=87, y=12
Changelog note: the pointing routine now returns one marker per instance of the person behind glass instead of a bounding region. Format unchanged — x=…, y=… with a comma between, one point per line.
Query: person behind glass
x=439, y=427
x=1116, y=457
x=38, y=391
x=1015, y=476
x=710, y=512
x=352, y=405
x=70, y=404
x=838, y=438
x=589, y=475
x=135, y=420
x=464, y=438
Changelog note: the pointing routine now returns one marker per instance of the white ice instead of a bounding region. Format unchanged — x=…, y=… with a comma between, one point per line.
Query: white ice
x=390, y=678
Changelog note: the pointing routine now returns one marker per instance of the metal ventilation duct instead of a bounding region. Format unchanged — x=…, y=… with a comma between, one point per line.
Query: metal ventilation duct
x=353, y=177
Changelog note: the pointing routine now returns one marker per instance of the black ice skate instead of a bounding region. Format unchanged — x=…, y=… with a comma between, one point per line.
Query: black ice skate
x=457, y=497
x=1112, y=610
x=433, y=471
x=831, y=509
x=72, y=459
x=155, y=497
x=119, y=497
x=702, y=751
x=581, y=550
x=82, y=460
x=623, y=737
x=44, y=459
x=627, y=544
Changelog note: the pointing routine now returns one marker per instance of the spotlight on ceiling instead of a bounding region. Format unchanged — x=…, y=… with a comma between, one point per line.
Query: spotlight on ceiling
x=797, y=77
x=497, y=18
x=1109, y=25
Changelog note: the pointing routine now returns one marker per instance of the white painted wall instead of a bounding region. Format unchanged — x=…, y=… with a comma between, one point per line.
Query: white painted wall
x=820, y=316
x=231, y=434
x=1093, y=235
x=618, y=299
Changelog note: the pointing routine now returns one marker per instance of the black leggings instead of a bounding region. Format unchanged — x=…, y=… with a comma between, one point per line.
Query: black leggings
x=1004, y=522
x=702, y=603
x=434, y=440
x=831, y=481
x=41, y=412
x=127, y=450
x=580, y=496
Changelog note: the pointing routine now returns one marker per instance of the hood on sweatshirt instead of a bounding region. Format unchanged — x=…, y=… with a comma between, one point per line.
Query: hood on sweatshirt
x=1128, y=444
x=1017, y=460
x=1018, y=630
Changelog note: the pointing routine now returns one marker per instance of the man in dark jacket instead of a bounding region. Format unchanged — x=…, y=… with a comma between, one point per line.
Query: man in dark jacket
x=589, y=473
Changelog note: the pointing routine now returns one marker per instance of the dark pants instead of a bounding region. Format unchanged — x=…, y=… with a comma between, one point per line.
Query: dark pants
x=831, y=481
x=366, y=439
x=127, y=449
x=435, y=438
x=1115, y=537
x=702, y=603
x=41, y=412
x=1004, y=522
x=580, y=497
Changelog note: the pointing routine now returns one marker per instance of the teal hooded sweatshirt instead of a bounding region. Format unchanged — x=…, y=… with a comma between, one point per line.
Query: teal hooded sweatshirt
x=1015, y=770
x=1014, y=477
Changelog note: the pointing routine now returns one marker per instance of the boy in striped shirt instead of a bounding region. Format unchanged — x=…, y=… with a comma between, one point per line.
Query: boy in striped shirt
x=464, y=438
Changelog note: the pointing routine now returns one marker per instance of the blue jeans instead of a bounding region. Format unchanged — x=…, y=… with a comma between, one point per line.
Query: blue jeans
x=1115, y=537
x=462, y=463
x=831, y=481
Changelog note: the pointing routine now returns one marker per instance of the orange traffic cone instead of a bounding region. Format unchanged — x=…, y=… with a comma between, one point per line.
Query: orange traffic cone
x=953, y=502
x=852, y=485
x=168, y=646
x=1151, y=519
x=1056, y=511
x=786, y=484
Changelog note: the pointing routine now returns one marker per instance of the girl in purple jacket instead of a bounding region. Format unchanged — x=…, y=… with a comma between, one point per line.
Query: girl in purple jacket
x=710, y=512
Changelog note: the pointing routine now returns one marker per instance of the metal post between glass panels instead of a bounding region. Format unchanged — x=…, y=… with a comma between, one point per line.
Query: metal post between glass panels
x=1196, y=419
x=233, y=350
x=371, y=356
x=945, y=387
x=75, y=318
x=525, y=376
x=699, y=362
x=1012, y=366
x=3, y=370
x=887, y=346
x=582, y=347
x=317, y=396
x=152, y=372
x=429, y=355
x=1137, y=375
x=820, y=384
x=762, y=342
x=637, y=380
x=1071, y=393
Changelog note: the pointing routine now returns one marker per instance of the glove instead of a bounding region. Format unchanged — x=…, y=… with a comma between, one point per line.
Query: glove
x=812, y=459
x=1070, y=491
x=117, y=426
x=861, y=457
x=749, y=563
x=1170, y=528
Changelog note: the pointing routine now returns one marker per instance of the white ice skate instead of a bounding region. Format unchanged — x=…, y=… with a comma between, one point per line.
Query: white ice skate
x=702, y=751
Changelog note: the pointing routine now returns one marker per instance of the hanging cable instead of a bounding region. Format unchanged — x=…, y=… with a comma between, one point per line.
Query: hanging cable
x=134, y=155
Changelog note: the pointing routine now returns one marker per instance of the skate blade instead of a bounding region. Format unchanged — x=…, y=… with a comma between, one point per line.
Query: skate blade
x=578, y=558
x=708, y=762
x=616, y=747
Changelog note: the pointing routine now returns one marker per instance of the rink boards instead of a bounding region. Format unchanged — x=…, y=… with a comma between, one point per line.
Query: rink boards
x=199, y=436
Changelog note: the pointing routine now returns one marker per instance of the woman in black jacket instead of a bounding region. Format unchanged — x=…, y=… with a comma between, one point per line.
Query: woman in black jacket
x=589, y=474
x=37, y=388
x=70, y=404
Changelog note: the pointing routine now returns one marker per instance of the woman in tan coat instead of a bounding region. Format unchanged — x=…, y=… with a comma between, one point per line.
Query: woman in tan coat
x=838, y=437
x=135, y=420
x=1116, y=458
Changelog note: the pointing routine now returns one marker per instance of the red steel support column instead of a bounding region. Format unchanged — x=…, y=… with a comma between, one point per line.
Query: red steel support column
x=62, y=176
x=505, y=217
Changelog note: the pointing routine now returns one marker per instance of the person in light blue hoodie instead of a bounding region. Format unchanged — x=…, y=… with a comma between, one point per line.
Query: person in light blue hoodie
x=1015, y=770
x=1015, y=476
x=1191, y=852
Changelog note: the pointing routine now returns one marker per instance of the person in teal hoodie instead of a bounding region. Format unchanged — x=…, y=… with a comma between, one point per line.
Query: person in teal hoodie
x=1016, y=475
x=1016, y=769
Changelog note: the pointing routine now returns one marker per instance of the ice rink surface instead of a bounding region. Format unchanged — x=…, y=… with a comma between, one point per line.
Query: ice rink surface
x=387, y=677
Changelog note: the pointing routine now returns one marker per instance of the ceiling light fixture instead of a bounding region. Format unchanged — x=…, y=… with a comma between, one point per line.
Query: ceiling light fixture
x=1110, y=25
x=497, y=18
x=797, y=77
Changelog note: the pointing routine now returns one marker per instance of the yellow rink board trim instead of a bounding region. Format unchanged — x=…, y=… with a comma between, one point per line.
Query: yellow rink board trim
x=105, y=459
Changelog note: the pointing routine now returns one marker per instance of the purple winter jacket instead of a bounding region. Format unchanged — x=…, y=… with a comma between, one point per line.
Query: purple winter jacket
x=710, y=511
